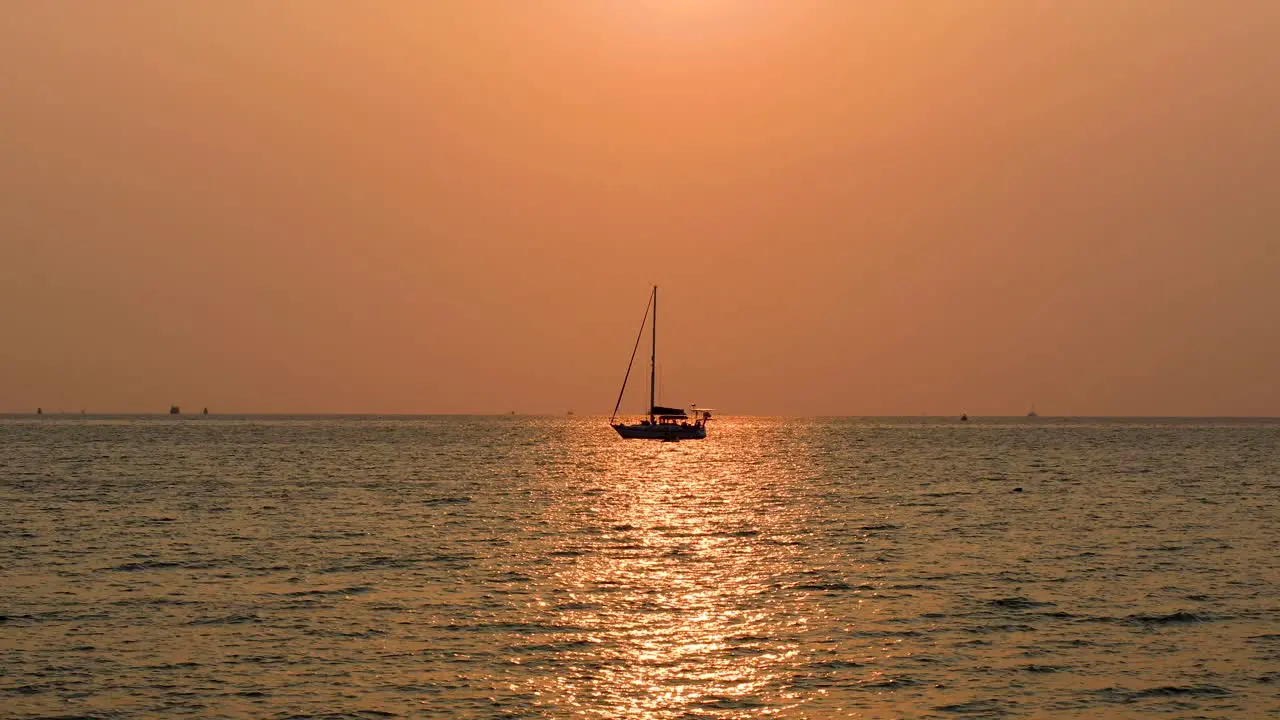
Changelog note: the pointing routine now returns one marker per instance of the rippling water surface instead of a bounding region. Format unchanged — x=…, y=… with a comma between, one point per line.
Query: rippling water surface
x=544, y=568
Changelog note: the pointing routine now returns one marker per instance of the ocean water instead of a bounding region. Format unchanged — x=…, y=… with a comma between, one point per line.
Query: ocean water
x=518, y=567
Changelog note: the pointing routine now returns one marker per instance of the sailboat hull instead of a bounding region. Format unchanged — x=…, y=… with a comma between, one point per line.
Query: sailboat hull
x=661, y=432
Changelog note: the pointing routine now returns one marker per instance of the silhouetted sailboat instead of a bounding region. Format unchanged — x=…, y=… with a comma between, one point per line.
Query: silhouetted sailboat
x=663, y=423
x=1032, y=412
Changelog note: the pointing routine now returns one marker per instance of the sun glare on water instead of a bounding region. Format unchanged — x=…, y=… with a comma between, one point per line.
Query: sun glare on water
x=668, y=615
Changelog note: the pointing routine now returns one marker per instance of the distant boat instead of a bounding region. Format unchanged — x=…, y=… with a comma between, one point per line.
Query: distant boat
x=174, y=410
x=205, y=411
x=1032, y=412
x=663, y=423
x=40, y=411
x=569, y=412
x=964, y=417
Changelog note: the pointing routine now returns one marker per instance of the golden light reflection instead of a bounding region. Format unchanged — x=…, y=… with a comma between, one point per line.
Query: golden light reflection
x=670, y=600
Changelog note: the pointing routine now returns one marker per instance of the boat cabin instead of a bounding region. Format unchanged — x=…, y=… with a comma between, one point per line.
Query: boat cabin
x=659, y=415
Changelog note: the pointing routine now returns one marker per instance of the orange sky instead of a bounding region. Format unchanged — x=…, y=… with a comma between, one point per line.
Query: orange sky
x=872, y=207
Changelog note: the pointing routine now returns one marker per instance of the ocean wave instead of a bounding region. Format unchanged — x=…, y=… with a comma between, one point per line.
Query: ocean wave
x=1180, y=617
x=1018, y=603
x=1128, y=695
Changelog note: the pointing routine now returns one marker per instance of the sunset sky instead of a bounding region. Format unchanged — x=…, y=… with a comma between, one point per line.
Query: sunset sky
x=864, y=208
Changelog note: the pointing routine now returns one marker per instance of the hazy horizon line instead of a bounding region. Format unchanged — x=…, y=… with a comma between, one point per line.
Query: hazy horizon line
x=100, y=414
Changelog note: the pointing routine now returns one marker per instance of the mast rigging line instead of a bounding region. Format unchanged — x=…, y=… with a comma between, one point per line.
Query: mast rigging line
x=634, y=350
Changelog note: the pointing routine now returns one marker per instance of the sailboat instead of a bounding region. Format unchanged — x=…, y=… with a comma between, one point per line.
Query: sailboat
x=663, y=423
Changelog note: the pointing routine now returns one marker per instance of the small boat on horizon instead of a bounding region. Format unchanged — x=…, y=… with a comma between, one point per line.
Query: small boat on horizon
x=174, y=410
x=663, y=423
x=1032, y=412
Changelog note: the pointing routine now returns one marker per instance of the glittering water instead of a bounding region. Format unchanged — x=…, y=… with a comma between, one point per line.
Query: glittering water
x=542, y=567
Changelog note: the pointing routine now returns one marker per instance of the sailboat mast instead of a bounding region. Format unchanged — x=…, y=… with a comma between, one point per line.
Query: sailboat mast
x=653, y=354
